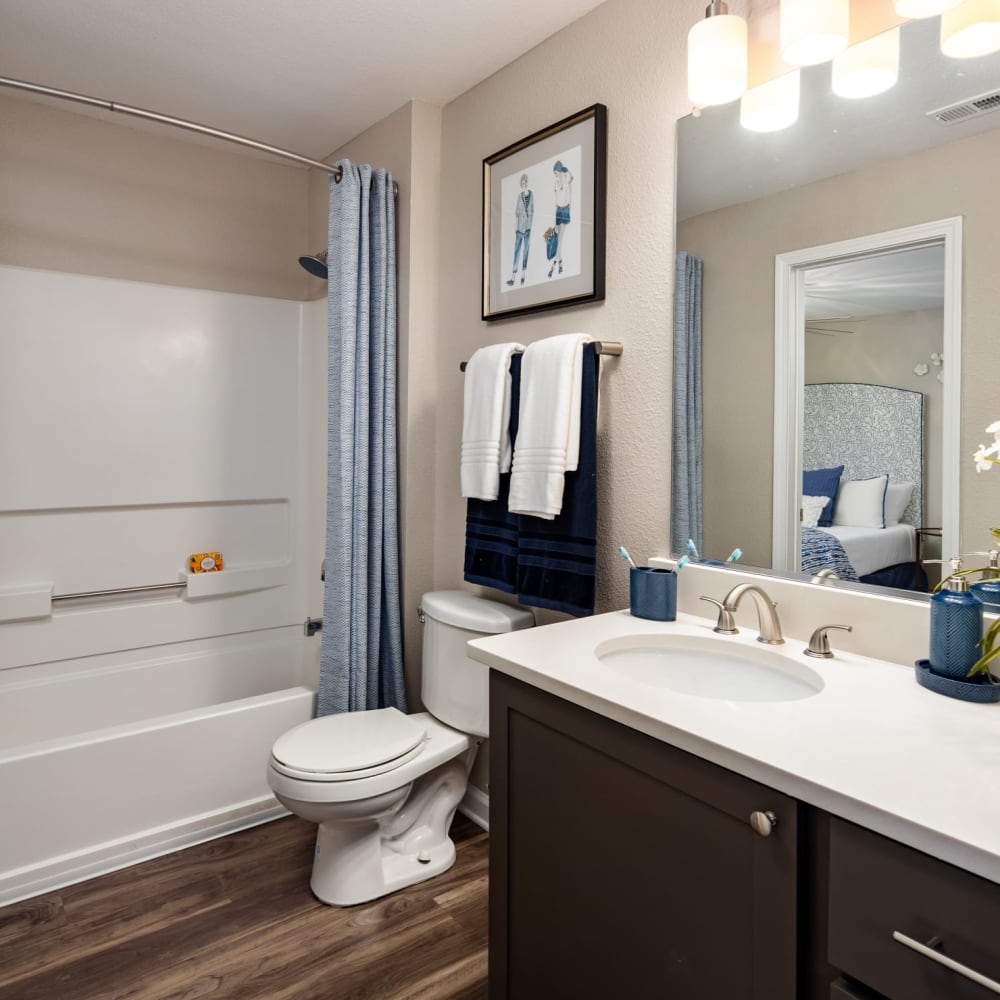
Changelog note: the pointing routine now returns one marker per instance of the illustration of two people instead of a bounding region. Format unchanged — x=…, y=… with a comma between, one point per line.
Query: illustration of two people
x=524, y=212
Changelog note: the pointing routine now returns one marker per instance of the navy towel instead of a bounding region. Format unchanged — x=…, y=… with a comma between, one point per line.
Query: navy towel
x=556, y=560
x=548, y=564
x=490, y=528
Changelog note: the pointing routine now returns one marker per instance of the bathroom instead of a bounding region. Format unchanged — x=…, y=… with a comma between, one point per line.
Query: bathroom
x=90, y=197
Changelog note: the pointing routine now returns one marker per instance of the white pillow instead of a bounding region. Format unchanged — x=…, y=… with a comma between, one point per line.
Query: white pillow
x=897, y=496
x=861, y=503
x=812, y=507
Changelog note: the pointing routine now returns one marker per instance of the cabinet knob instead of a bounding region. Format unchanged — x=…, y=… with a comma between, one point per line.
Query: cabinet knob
x=763, y=822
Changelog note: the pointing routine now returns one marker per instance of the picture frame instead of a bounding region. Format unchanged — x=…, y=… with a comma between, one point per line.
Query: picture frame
x=544, y=200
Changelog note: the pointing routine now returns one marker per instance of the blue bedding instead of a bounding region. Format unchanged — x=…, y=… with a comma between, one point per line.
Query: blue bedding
x=821, y=550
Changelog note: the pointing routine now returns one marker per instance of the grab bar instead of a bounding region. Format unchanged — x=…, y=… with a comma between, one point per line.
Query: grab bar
x=119, y=590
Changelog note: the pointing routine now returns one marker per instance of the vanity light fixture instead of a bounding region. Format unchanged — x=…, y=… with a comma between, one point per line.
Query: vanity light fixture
x=923, y=8
x=717, y=57
x=868, y=68
x=813, y=31
x=771, y=106
x=971, y=29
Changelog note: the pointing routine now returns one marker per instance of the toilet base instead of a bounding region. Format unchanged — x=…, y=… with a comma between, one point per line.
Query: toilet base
x=356, y=862
x=333, y=882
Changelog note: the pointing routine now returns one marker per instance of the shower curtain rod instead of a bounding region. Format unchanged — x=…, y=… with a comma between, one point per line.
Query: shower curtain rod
x=336, y=172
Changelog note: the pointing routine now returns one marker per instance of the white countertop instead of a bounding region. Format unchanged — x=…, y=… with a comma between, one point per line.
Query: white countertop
x=872, y=746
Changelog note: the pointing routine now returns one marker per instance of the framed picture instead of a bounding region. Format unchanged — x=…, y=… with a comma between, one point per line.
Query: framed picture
x=543, y=218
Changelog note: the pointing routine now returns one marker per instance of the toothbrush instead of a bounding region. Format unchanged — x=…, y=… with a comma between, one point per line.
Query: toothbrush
x=734, y=555
x=683, y=561
x=692, y=549
x=623, y=552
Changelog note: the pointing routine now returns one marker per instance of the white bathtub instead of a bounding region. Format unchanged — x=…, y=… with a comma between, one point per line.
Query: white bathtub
x=111, y=760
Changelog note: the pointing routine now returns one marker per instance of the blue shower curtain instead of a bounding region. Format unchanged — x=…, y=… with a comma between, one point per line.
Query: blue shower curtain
x=361, y=663
x=686, y=450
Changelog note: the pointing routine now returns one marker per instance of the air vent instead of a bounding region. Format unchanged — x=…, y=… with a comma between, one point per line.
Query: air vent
x=964, y=110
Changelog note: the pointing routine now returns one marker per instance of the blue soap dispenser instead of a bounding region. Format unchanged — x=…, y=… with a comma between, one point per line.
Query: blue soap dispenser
x=956, y=626
x=987, y=589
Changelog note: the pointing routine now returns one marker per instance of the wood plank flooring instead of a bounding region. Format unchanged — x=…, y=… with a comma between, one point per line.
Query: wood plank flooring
x=234, y=918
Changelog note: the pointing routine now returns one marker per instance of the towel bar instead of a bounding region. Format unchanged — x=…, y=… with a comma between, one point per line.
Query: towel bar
x=609, y=348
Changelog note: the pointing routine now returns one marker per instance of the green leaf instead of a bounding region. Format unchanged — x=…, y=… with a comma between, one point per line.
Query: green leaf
x=982, y=665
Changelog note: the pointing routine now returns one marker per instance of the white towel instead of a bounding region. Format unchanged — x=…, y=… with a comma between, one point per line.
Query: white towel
x=486, y=450
x=548, y=431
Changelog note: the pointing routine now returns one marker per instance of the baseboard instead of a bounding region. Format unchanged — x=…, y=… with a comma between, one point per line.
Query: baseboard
x=111, y=856
x=476, y=806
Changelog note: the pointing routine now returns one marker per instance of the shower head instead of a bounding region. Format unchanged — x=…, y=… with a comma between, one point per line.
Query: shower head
x=315, y=264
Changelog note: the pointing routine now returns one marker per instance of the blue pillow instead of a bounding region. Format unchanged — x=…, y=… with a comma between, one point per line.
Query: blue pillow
x=823, y=483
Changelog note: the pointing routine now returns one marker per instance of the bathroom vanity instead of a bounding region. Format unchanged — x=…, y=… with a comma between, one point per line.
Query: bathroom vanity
x=649, y=842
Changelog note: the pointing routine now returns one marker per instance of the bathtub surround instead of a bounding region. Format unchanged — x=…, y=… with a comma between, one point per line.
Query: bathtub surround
x=138, y=724
x=362, y=657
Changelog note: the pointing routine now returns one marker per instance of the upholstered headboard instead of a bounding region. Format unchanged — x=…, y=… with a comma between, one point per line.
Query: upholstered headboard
x=870, y=430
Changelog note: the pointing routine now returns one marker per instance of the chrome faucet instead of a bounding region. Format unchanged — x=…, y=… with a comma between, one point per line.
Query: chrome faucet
x=770, y=627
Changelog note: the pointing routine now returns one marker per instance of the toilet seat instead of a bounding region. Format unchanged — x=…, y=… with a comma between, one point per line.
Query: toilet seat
x=349, y=746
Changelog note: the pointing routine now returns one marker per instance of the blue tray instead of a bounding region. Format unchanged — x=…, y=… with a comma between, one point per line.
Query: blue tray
x=982, y=692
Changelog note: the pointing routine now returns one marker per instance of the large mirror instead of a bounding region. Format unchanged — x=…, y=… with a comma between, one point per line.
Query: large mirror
x=850, y=310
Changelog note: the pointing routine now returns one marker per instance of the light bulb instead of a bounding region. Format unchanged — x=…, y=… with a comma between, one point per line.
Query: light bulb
x=972, y=29
x=923, y=8
x=868, y=68
x=813, y=31
x=771, y=106
x=717, y=60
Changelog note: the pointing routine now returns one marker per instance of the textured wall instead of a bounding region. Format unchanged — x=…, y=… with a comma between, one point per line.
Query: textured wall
x=629, y=55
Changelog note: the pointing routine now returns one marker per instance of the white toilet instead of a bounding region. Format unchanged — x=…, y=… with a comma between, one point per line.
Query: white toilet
x=384, y=786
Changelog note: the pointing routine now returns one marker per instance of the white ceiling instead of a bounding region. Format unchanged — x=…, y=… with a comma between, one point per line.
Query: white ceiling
x=304, y=75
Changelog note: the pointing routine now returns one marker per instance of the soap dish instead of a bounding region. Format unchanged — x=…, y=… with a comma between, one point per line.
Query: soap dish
x=981, y=692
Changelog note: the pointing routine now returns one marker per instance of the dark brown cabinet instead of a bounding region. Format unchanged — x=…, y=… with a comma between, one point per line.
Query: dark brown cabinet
x=621, y=867
x=888, y=903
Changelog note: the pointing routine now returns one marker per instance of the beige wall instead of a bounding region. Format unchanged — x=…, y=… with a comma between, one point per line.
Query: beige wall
x=739, y=245
x=629, y=55
x=93, y=196
x=883, y=350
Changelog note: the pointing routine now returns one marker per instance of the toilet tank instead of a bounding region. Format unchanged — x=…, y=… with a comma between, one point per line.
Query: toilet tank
x=454, y=688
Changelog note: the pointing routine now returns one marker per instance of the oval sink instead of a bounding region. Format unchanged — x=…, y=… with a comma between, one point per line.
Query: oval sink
x=709, y=668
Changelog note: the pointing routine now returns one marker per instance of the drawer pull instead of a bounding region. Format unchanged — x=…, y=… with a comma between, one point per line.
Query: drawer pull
x=963, y=970
x=763, y=822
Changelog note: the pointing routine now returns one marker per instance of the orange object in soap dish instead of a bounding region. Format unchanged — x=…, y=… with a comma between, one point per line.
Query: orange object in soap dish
x=205, y=562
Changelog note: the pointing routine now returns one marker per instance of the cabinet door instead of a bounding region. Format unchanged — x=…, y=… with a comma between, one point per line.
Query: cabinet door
x=622, y=867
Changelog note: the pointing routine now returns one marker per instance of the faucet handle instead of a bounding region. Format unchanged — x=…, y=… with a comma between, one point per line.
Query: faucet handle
x=819, y=644
x=726, y=625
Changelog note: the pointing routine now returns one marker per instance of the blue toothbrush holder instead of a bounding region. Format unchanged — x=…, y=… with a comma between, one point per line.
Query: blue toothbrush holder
x=652, y=593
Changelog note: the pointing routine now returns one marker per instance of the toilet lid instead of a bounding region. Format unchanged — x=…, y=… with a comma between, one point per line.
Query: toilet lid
x=350, y=742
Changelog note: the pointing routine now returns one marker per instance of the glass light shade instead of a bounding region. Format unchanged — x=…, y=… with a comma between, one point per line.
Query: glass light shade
x=972, y=29
x=923, y=8
x=771, y=106
x=717, y=60
x=813, y=31
x=868, y=68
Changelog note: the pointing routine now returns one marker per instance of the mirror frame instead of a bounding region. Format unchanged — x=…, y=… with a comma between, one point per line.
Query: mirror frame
x=789, y=374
